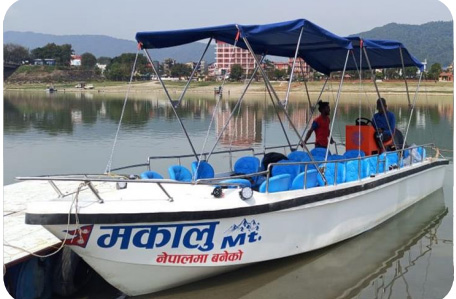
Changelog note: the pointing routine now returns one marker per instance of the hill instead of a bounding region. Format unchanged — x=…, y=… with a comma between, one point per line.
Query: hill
x=432, y=41
x=102, y=45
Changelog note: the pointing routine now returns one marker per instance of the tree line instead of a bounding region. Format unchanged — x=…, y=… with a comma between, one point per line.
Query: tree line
x=119, y=68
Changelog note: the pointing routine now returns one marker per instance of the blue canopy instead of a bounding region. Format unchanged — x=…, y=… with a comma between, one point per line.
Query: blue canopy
x=321, y=49
x=278, y=39
x=381, y=54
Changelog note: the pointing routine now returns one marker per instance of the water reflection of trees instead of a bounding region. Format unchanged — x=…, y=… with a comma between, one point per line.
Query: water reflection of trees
x=59, y=113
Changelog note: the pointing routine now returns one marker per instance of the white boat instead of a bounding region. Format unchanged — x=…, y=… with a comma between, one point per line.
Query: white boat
x=147, y=234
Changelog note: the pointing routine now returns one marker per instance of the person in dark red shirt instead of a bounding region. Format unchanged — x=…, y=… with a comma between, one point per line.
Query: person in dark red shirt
x=320, y=126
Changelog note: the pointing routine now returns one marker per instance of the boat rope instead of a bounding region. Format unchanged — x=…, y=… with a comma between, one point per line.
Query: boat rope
x=62, y=244
x=108, y=166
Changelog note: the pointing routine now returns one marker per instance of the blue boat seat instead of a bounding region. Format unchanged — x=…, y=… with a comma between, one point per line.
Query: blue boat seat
x=205, y=170
x=150, y=175
x=311, y=180
x=392, y=160
x=248, y=165
x=336, y=157
x=317, y=159
x=330, y=169
x=179, y=173
x=276, y=184
x=354, y=154
x=292, y=170
x=299, y=156
x=356, y=169
x=237, y=182
x=371, y=165
x=319, y=151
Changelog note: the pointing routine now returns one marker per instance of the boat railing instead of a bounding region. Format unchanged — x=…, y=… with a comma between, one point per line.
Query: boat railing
x=381, y=159
x=179, y=158
x=122, y=180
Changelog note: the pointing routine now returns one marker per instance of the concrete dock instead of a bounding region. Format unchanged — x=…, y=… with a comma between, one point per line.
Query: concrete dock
x=20, y=239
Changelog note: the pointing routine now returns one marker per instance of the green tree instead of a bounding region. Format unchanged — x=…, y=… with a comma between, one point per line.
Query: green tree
x=180, y=70
x=435, y=71
x=410, y=72
x=279, y=74
x=121, y=66
x=15, y=53
x=61, y=54
x=236, y=72
x=88, y=60
x=104, y=60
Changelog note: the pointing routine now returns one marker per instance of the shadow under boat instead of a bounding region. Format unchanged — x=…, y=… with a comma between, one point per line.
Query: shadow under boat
x=338, y=271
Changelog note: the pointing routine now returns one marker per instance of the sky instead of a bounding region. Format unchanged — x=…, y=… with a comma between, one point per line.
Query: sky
x=122, y=18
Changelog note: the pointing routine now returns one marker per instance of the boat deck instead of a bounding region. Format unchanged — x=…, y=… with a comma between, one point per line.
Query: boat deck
x=20, y=239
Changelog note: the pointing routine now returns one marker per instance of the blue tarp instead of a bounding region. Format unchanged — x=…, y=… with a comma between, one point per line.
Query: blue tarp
x=381, y=54
x=321, y=49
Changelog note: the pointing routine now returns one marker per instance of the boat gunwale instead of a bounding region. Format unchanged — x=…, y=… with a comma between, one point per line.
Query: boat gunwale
x=159, y=217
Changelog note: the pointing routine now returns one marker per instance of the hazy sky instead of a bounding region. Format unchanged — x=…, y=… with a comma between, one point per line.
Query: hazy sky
x=122, y=19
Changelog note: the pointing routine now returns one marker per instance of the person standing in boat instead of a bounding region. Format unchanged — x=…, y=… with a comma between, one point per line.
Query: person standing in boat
x=384, y=123
x=320, y=126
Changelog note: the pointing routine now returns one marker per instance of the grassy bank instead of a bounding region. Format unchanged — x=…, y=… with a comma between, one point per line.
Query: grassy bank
x=237, y=88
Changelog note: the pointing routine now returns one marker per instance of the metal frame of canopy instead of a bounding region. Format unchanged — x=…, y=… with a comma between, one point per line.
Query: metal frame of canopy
x=262, y=36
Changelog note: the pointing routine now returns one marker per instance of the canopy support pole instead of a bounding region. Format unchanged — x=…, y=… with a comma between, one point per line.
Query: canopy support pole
x=177, y=103
x=171, y=101
x=266, y=80
x=337, y=103
x=405, y=78
x=278, y=116
x=411, y=112
x=378, y=93
x=305, y=83
x=312, y=110
x=293, y=68
x=234, y=109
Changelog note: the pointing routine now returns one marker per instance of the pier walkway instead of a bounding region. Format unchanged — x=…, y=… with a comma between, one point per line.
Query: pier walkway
x=20, y=239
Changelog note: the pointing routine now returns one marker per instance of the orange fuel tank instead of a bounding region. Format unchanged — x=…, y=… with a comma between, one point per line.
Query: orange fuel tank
x=361, y=137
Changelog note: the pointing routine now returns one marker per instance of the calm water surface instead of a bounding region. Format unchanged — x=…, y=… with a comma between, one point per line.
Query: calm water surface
x=410, y=256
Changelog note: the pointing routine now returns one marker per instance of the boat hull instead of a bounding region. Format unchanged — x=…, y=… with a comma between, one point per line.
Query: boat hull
x=140, y=258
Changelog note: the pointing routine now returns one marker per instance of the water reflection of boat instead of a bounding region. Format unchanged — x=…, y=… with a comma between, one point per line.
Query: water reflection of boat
x=194, y=225
x=340, y=271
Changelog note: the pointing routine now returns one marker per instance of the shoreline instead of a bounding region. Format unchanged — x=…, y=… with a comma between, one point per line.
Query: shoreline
x=230, y=88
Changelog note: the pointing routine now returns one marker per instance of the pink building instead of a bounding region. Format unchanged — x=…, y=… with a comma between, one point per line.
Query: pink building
x=281, y=66
x=227, y=55
x=299, y=63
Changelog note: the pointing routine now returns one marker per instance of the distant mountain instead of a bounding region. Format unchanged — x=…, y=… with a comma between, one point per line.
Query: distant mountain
x=432, y=41
x=102, y=45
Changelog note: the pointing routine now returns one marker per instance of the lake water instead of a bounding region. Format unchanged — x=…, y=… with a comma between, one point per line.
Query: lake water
x=410, y=256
